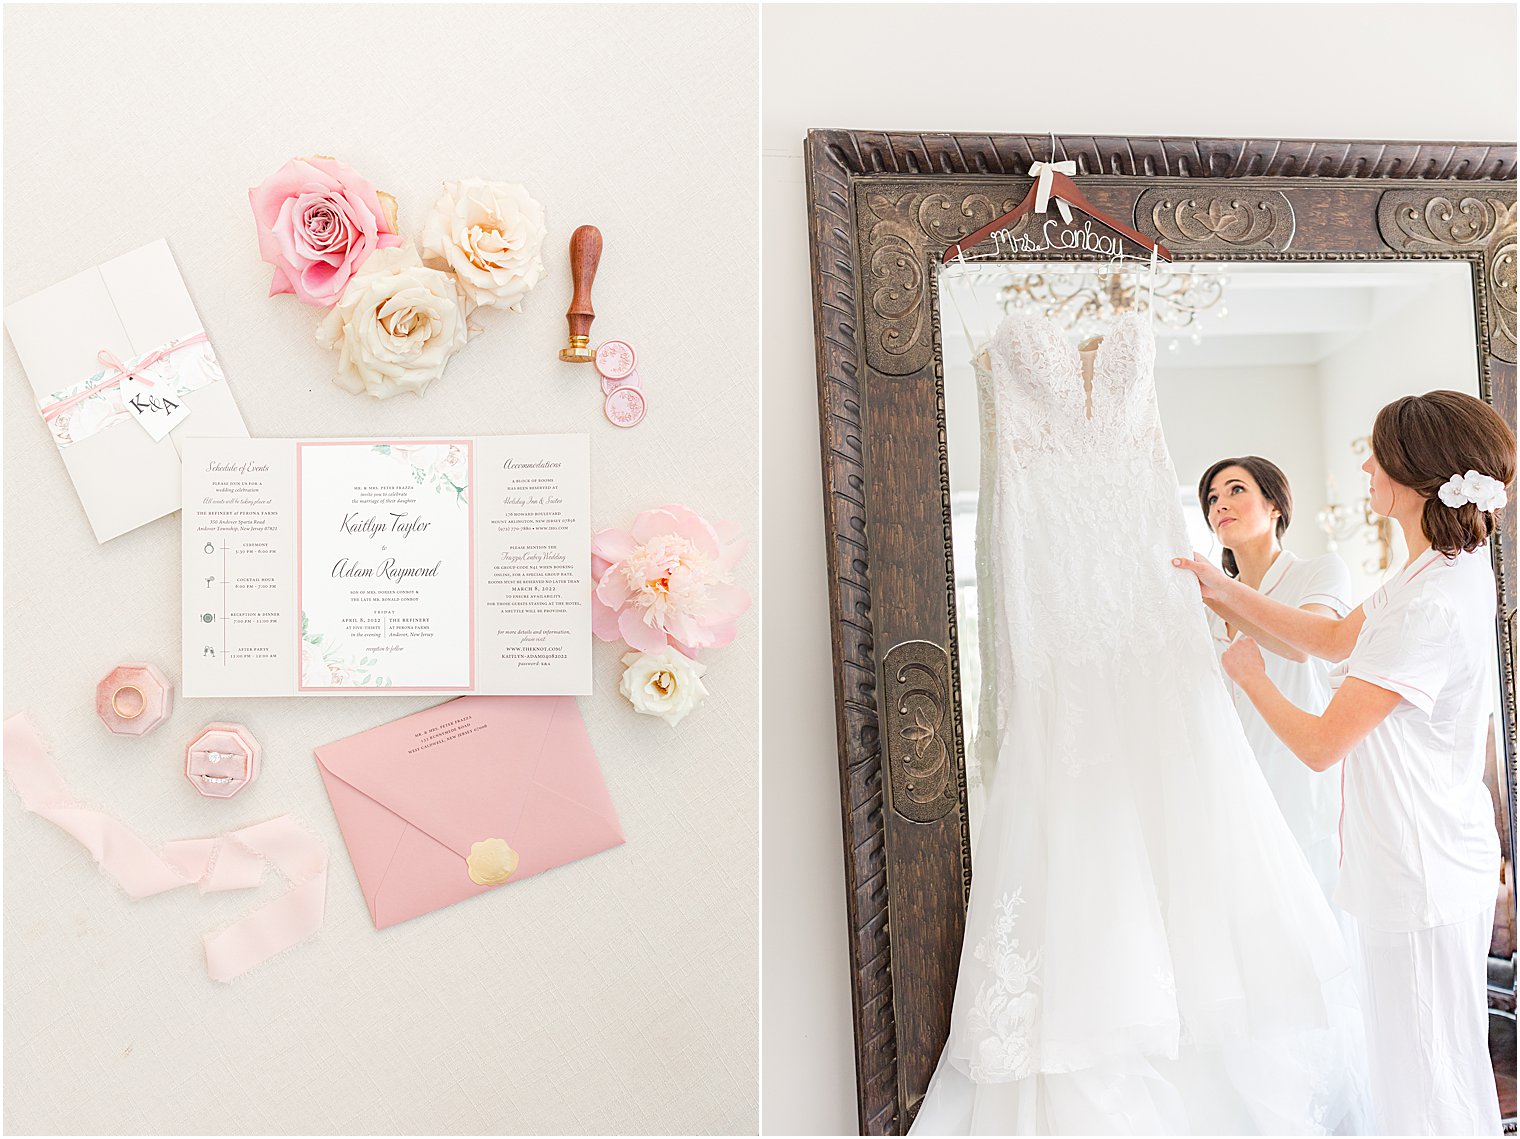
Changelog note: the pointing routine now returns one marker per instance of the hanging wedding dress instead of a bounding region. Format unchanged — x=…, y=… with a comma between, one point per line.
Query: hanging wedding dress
x=1146, y=950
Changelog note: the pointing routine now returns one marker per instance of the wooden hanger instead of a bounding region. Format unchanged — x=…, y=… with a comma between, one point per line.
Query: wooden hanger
x=1051, y=182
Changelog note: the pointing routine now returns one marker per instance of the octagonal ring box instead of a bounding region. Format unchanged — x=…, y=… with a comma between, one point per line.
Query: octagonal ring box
x=133, y=699
x=222, y=760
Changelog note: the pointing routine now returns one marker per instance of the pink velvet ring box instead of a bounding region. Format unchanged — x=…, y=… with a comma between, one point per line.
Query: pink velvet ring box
x=222, y=760
x=133, y=699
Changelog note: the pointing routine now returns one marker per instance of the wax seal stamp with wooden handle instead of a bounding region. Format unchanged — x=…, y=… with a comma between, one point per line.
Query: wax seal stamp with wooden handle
x=585, y=254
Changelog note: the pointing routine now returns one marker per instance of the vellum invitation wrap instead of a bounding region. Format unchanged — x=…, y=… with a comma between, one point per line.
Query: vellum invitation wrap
x=118, y=338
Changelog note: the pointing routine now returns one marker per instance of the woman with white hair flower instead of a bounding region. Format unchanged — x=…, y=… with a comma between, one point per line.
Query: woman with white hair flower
x=1420, y=856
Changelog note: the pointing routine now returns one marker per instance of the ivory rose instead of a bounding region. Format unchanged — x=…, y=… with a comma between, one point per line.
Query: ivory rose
x=668, y=580
x=317, y=221
x=396, y=326
x=491, y=236
x=664, y=684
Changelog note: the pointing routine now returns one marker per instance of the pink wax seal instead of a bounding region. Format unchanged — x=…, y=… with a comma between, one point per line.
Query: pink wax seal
x=615, y=359
x=629, y=381
x=625, y=407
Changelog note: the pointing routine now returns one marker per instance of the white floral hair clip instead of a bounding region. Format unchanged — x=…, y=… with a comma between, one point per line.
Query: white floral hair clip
x=1483, y=491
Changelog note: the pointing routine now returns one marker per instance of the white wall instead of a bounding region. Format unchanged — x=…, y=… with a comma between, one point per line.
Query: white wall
x=875, y=67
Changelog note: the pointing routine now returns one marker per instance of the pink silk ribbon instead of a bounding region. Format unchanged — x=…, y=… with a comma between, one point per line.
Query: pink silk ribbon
x=233, y=861
x=136, y=368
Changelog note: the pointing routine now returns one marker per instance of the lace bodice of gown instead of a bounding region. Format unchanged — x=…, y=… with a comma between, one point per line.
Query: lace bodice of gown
x=1042, y=403
x=1086, y=511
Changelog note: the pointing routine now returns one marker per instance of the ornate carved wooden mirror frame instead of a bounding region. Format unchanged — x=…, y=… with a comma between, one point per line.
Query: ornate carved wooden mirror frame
x=883, y=207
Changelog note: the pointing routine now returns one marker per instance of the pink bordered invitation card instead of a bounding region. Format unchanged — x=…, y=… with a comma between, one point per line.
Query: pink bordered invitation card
x=450, y=565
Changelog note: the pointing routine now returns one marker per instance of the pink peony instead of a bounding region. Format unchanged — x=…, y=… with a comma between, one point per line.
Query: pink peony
x=318, y=220
x=667, y=581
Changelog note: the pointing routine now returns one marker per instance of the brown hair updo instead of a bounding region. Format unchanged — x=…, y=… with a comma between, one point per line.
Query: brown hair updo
x=1274, y=488
x=1422, y=440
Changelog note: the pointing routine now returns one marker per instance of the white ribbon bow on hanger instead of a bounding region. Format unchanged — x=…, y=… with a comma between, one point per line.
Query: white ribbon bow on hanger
x=1046, y=172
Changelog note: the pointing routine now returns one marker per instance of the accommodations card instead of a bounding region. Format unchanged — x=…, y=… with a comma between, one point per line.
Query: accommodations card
x=342, y=566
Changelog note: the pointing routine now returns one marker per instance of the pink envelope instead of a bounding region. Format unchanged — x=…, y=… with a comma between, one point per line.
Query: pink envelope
x=414, y=796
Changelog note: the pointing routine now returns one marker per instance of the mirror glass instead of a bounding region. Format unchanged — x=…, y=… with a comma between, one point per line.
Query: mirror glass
x=1286, y=361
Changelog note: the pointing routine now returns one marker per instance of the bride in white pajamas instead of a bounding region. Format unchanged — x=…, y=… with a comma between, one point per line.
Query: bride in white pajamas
x=1420, y=864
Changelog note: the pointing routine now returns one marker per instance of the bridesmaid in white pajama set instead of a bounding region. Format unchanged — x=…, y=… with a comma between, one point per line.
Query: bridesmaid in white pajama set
x=1420, y=868
x=1248, y=505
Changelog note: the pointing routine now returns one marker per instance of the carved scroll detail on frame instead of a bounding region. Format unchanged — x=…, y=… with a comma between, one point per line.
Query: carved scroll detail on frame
x=899, y=227
x=922, y=779
x=896, y=317
x=945, y=219
x=1499, y=272
x=1200, y=219
x=1415, y=221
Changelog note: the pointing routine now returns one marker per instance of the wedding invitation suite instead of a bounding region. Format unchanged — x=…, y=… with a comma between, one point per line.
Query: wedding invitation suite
x=341, y=566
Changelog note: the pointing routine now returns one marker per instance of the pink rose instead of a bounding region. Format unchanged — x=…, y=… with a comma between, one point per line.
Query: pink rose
x=318, y=220
x=667, y=581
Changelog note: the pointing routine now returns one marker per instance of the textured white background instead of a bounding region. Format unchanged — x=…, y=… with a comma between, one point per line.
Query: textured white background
x=613, y=995
x=1380, y=71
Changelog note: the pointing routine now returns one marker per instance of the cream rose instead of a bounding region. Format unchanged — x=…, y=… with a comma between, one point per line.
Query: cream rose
x=396, y=325
x=491, y=236
x=666, y=684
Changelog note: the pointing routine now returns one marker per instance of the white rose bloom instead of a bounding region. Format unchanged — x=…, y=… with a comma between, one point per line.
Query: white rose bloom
x=396, y=326
x=667, y=684
x=491, y=236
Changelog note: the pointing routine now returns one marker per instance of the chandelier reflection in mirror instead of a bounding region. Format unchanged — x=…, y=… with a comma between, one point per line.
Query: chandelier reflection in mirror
x=1342, y=522
x=1085, y=304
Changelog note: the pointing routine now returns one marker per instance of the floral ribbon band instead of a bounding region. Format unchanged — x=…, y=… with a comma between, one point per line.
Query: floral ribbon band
x=183, y=365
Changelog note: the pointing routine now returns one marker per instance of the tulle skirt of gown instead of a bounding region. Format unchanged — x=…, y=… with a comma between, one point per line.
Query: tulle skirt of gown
x=1147, y=951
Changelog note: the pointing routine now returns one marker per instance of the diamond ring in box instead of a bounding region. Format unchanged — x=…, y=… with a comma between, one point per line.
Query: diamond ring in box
x=222, y=760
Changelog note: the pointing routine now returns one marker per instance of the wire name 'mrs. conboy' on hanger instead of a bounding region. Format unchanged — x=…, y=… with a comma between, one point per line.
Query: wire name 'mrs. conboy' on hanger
x=1052, y=180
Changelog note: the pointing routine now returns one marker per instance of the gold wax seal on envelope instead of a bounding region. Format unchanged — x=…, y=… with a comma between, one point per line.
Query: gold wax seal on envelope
x=491, y=862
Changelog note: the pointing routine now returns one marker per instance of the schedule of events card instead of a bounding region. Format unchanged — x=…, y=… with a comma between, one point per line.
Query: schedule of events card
x=350, y=566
